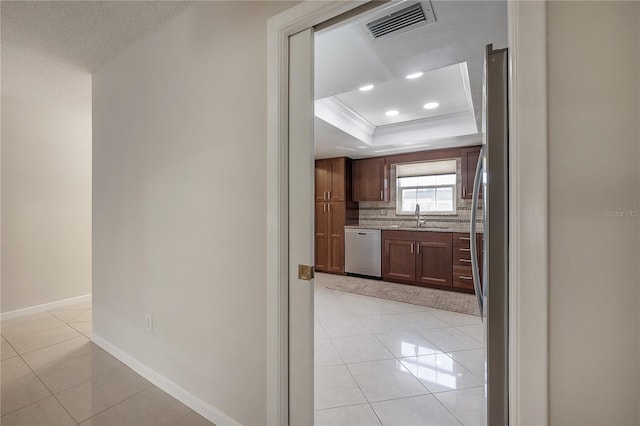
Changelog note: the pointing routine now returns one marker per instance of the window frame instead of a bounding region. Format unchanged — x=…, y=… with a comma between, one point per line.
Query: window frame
x=454, y=191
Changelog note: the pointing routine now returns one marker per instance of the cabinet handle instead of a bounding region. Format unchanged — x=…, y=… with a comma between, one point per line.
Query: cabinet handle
x=324, y=207
x=464, y=249
x=324, y=195
x=411, y=248
x=329, y=195
x=464, y=191
x=462, y=277
x=418, y=246
x=465, y=238
x=381, y=196
x=328, y=207
x=465, y=260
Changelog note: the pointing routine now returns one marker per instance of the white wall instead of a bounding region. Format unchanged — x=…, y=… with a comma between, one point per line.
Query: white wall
x=593, y=170
x=179, y=226
x=46, y=203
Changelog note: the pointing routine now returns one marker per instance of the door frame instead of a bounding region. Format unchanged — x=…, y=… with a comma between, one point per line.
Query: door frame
x=528, y=205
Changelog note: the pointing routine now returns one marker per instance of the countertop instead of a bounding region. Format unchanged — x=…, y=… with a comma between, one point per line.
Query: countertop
x=412, y=228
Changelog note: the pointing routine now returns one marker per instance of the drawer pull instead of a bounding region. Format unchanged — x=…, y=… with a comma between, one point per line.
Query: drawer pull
x=465, y=260
x=464, y=277
x=464, y=249
x=465, y=238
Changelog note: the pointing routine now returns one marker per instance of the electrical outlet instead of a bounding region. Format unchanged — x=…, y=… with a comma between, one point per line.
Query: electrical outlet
x=148, y=323
x=383, y=212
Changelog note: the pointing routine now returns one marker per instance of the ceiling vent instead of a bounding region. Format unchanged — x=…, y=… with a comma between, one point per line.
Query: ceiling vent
x=418, y=14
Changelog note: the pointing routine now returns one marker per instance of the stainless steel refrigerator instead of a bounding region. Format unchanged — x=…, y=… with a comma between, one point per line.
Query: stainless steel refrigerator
x=492, y=291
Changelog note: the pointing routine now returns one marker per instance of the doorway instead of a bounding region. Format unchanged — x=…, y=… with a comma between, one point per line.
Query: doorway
x=397, y=142
x=283, y=27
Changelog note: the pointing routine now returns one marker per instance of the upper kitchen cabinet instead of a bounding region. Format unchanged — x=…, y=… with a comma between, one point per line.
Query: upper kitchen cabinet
x=370, y=180
x=331, y=177
x=469, y=163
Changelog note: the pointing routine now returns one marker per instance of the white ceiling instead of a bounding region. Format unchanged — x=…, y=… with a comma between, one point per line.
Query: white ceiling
x=346, y=58
x=445, y=86
x=50, y=48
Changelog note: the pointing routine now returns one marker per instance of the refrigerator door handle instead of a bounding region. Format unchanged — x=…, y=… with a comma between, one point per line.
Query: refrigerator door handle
x=474, y=245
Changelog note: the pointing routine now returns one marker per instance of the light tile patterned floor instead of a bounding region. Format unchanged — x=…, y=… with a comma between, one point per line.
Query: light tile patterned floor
x=53, y=375
x=391, y=363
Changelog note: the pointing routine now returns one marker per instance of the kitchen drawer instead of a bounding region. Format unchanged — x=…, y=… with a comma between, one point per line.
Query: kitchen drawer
x=462, y=277
x=461, y=239
x=462, y=259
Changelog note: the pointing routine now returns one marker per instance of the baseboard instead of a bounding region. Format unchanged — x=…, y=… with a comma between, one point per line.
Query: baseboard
x=45, y=307
x=206, y=410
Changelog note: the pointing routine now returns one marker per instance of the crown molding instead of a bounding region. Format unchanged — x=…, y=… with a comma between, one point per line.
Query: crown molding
x=344, y=118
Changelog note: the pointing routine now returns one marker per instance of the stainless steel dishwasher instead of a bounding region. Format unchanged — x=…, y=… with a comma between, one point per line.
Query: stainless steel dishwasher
x=362, y=252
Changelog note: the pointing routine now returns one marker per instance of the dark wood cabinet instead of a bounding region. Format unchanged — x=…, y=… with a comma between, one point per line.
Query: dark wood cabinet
x=462, y=273
x=330, y=179
x=415, y=257
x=371, y=180
x=399, y=260
x=334, y=209
x=469, y=157
x=321, y=237
x=434, y=262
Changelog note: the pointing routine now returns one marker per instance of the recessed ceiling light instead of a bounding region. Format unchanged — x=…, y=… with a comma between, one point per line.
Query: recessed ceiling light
x=414, y=75
x=366, y=87
x=391, y=113
x=431, y=105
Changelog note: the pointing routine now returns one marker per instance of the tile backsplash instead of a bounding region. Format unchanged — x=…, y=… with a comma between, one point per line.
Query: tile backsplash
x=380, y=213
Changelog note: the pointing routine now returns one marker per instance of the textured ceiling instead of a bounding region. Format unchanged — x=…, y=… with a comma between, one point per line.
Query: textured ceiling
x=50, y=48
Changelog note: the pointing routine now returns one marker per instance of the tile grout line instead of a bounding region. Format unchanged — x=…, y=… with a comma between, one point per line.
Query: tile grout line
x=119, y=402
x=449, y=411
x=82, y=382
x=47, y=388
x=363, y=394
x=51, y=394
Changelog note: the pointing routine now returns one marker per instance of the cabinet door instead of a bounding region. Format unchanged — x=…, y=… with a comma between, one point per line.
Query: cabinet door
x=399, y=260
x=370, y=180
x=336, y=216
x=469, y=163
x=336, y=180
x=322, y=237
x=434, y=265
x=322, y=173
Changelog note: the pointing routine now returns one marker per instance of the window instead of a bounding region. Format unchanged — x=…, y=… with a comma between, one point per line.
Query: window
x=431, y=184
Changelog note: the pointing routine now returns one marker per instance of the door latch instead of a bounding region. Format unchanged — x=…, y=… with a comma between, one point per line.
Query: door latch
x=305, y=272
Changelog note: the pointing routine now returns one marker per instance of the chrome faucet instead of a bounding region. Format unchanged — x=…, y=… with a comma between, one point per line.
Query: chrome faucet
x=417, y=215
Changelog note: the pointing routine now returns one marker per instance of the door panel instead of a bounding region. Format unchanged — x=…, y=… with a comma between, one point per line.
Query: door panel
x=336, y=180
x=434, y=263
x=322, y=237
x=301, y=223
x=399, y=260
x=336, y=214
x=370, y=180
x=322, y=172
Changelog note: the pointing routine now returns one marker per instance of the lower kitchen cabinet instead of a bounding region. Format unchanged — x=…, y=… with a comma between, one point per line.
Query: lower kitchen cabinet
x=429, y=259
x=399, y=260
x=330, y=218
x=420, y=258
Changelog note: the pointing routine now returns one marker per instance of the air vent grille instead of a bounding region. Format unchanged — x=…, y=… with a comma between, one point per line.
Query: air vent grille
x=396, y=21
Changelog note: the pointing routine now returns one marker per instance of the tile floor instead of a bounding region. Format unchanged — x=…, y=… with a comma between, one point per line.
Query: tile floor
x=391, y=363
x=53, y=375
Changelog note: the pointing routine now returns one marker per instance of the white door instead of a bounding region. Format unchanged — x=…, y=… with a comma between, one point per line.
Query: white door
x=301, y=175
